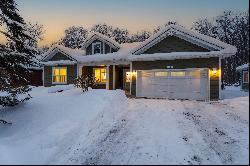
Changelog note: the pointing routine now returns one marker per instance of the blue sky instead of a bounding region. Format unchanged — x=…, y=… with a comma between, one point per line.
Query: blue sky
x=135, y=15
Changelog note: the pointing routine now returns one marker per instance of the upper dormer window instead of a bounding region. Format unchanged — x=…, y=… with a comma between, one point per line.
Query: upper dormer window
x=96, y=48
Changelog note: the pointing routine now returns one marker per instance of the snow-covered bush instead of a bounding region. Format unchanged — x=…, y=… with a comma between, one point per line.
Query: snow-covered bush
x=85, y=82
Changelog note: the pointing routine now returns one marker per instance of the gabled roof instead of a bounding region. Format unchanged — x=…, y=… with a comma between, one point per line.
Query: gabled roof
x=192, y=36
x=121, y=55
x=73, y=54
x=134, y=51
x=95, y=35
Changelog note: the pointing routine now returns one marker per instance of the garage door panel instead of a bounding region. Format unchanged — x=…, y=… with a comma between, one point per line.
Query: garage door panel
x=186, y=84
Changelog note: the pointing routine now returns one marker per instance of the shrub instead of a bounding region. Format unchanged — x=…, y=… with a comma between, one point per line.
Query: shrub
x=85, y=81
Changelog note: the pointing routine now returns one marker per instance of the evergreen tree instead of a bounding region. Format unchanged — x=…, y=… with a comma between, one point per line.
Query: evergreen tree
x=14, y=58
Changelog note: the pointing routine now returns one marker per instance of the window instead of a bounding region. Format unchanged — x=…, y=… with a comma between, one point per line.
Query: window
x=245, y=77
x=100, y=75
x=59, y=75
x=178, y=74
x=161, y=74
x=96, y=48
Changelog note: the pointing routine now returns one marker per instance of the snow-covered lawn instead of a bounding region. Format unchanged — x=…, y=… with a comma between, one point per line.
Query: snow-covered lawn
x=105, y=127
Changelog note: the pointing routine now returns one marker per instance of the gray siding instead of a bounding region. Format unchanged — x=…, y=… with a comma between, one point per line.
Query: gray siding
x=182, y=64
x=174, y=44
x=59, y=56
x=71, y=74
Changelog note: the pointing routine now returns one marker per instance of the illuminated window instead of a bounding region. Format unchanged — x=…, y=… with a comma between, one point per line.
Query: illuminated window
x=100, y=75
x=178, y=74
x=161, y=74
x=245, y=77
x=59, y=75
x=128, y=76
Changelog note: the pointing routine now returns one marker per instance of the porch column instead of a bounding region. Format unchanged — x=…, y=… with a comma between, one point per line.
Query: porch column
x=107, y=77
x=130, y=88
x=113, y=77
x=220, y=81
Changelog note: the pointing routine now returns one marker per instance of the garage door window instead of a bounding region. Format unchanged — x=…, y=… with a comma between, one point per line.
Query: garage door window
x=161, y=74
x=178, y=74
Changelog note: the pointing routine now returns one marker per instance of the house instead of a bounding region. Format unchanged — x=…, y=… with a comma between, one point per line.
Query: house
x=244, y=74
x=174, y=63
x=36, y=72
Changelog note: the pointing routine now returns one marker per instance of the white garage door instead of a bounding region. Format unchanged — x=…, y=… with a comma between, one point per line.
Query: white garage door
x=173, y=84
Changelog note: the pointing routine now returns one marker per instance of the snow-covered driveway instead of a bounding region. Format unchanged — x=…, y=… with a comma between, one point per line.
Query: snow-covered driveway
x=170, y=132
x=104, y=127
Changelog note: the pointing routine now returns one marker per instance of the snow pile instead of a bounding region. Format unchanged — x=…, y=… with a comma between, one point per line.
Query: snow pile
x=59, y=88
x=50, y=123
x=231, y=92
x=103, y=127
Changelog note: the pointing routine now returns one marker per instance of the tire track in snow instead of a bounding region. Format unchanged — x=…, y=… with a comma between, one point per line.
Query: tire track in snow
x=214, y=135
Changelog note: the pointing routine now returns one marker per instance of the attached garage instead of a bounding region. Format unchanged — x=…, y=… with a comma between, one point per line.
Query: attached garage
x=173, y=84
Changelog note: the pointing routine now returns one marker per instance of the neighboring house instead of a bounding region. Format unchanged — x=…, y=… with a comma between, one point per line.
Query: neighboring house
x=36, y=72
x=174, y=63
x=244, y=74
x=35, y=78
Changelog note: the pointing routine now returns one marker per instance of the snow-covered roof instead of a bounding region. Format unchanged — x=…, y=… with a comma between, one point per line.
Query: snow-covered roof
x=73, y=54
x=95, y=35
x=121, y=55
x=245, y=66
x=61, y=62
x=173, y=56
x=190, y=35
x=134, y=51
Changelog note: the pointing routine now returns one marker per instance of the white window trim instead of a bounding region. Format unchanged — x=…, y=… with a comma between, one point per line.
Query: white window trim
x=93, y=46
x=243, y=75
x=60, y=83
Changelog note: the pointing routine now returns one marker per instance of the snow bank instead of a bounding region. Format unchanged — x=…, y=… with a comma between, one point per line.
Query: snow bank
x=48, y=124
x=231, y=92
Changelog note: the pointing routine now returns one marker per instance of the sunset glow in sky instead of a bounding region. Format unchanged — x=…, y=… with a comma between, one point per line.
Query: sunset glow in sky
x=135, y=15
